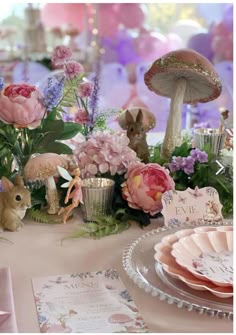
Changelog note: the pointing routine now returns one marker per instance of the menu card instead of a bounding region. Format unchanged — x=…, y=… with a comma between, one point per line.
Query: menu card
x=88, y=302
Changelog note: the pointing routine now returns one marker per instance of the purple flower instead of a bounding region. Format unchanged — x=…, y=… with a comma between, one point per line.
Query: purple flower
x=2, y=84
x=182, y=163
x=176, y=164
x=1, y=187
x=53, y=93
x=199, y=156
x=188, y=164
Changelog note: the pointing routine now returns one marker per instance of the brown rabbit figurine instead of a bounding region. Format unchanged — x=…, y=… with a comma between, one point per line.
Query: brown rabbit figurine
x=137, y=135
x=14, y=202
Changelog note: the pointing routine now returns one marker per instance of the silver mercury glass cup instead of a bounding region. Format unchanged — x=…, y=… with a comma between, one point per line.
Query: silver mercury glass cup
x=214, y=137
x=97, y=197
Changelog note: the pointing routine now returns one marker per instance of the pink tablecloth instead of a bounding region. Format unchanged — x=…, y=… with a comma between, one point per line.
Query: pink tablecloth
x=37, y=251
x=7, y=309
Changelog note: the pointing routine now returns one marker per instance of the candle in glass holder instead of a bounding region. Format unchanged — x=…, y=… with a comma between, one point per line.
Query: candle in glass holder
x=214, y=137
x=97, y=197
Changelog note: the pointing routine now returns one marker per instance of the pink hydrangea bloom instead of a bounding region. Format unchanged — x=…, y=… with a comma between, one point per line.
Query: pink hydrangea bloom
x=73, y=68
x=85, y=89
x=81, y=116
x=61, y=54
x=21, y=105
x=104, y=152
x=145, y=185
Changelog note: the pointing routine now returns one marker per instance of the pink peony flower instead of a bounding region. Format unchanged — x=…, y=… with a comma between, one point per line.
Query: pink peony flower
x=81, y=116
x=85, y=89
x=61, y=54
x=145, y=185
x=104, y=152
x=21, y=105
x=72, y=69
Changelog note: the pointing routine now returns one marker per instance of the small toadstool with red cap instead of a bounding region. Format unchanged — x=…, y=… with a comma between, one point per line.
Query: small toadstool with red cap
x=44, y=167
x=185, y=76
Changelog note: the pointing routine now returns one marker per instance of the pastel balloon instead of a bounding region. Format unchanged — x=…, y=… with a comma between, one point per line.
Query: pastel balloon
x=151, y=45
x=58, y=14
x=131, y=15
x=30, y=72
x=228, y=17
x=211, y=12
x=187, y=28
x=114, y=85
x=120, y=48
x=157, y=104
x=202, y=44
x=108, y=19
x=174, y=42
x=211, y=110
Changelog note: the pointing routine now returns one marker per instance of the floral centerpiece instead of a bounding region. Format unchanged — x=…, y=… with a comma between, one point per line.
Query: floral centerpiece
x=63, y=118
x=35, y=121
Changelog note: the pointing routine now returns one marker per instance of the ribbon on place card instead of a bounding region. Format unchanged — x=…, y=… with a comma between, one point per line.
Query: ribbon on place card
x=191, y=207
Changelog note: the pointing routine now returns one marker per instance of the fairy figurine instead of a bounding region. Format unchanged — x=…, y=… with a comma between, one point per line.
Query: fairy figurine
x=74, y=191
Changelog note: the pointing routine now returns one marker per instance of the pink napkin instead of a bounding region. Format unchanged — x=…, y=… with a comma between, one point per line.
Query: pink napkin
x=7, y=308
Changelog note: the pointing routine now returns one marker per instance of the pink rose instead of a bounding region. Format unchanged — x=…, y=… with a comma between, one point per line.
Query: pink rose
x=145, y=185
x=61, y=54
x=81, y=116
x=72, y=68
x=85, y=89
x=21, y=105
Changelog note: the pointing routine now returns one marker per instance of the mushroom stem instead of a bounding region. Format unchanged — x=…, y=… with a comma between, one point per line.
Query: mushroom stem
x=173, y=129
x=52, y=196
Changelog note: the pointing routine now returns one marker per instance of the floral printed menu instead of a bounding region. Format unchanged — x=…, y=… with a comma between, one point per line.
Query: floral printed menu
x=89, y=302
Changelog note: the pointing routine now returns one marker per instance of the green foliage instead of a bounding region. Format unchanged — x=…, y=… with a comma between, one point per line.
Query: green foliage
x=205, y=174
x=38, y=215
x=105, y=225
x=21, y=143
x=155, y=155
x=3, y=239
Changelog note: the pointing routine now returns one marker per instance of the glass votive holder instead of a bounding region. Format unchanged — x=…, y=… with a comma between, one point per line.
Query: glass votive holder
x=214, y=137
x=97, y=197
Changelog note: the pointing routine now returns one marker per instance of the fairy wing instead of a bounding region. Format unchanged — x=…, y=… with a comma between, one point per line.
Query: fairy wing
x=64, y=174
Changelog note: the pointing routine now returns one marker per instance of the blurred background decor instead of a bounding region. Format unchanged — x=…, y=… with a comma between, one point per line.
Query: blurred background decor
x=126, y=38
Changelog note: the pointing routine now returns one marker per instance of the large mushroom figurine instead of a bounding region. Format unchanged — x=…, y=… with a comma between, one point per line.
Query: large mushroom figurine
x=44, y=168
x=185, y=76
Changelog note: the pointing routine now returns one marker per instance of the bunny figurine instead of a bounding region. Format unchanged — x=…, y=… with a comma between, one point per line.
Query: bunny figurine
x=137, y=135
x=14, y=202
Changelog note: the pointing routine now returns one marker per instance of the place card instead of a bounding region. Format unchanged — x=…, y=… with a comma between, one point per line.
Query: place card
x=191, y=207
x=88, y=302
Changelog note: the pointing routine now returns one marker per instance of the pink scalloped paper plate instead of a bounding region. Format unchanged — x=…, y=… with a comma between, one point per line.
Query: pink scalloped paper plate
x=208, y=256
x=164, y=257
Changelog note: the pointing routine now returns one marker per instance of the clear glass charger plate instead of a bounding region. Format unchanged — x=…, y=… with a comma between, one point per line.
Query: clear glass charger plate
x=141, y=267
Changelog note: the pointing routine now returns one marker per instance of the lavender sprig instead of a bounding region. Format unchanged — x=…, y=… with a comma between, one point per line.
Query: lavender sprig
x=94, y=99
x=53, y=93
x=2, y=84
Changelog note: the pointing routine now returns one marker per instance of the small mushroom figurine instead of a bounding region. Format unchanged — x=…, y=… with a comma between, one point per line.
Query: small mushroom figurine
x=137, y=121
x=44, y=167
x=185, y=76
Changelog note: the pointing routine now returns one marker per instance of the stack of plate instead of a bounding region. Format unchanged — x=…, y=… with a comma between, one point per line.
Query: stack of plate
x=201, y=257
